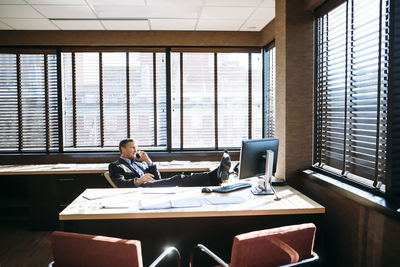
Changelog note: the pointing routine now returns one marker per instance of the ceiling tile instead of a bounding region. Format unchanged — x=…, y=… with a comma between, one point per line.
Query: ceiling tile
x=263, y=14
x=56, y=2
x=253, y=25
x=173, y=24
x=218, y=25
x=65, y=12
x=174, y=3
x=4, y=26
x=12, y=2
x=248, y=3
x=226, y=12
x=268, y=3
x=126, y=25
x=117, y=3
x=145, y=12
x=79, y=24
x=19, y=11
x=30, y=24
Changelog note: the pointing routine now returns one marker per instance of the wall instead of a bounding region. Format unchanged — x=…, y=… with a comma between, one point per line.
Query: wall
x=355, y=233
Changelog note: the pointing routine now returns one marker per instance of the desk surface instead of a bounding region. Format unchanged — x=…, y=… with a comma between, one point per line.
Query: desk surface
x=82, y=168
x=292, y=202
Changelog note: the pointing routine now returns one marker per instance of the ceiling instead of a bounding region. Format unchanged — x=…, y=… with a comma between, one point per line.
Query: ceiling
x=179, y=15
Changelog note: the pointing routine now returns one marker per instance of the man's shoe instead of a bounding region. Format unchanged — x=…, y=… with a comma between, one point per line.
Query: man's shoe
x=224, y=166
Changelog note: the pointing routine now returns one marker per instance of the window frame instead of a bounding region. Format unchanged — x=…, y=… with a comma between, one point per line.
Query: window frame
x=167, y=50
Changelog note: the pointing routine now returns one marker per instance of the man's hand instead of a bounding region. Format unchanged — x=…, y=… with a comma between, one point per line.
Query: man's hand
x=144, y=157
x=147, y=177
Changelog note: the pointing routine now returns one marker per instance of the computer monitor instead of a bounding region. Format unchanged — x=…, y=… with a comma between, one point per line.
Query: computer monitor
x=253, y=155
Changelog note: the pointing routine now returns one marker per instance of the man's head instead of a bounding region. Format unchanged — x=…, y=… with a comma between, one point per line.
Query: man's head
x=128, y=148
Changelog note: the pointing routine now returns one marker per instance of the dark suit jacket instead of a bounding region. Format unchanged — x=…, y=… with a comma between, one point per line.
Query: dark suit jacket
x=123, y=174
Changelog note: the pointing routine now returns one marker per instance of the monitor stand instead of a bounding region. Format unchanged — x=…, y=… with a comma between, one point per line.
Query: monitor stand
x=266, y=189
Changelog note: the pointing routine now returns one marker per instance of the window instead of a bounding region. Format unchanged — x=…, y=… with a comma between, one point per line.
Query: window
x=269, y=91
x=109, y=96
x=28, y=102
x=352, y=87
x=216, y=99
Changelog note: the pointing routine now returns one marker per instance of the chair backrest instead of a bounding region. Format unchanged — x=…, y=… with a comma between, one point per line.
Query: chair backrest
x=71, y=249
x=273, y=247
x=108, y=178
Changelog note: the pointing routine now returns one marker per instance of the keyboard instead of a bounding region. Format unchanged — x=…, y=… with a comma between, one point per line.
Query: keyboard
x=231, y=187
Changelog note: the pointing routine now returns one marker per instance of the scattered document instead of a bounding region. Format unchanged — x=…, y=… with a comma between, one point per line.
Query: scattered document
x=93, y=195
x=160, y=190
x=162, y=203
x=224, y=200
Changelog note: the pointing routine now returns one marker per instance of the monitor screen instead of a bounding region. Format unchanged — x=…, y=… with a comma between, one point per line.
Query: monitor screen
x=253, y=154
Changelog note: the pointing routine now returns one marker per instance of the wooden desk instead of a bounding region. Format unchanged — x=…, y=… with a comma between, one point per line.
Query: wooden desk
x=83, y=168
x=213, y=225
x=39, y=192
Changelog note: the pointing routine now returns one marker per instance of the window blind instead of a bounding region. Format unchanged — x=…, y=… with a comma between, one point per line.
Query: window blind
x=269, y=92
x=216, y=99
x=112, y=95
x=28, y=102
x=351, y=95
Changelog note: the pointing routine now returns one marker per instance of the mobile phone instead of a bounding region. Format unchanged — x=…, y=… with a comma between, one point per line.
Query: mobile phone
x=137, y=156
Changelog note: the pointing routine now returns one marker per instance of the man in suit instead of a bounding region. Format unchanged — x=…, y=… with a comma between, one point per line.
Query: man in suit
x=135, y=169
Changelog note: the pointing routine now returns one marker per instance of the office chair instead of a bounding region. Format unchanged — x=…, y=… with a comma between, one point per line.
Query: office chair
x=72, y=249
x=108, y=178
x=283, y=246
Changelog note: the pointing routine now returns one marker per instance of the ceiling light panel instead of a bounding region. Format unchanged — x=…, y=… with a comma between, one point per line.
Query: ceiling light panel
x=173, y=24
x=18, y=11
x=65, y=12
x=145, y=12
x=4, y=26
x=253, y=25
x=226, y=12
x=56, y=2
x=218, y=25
x=268, y=3
x=79, y=24
x=31, y=24
x=12, y=2
x=173, y=3
x=265, y=14
x=117, y=3
x=248, y=3
x=126, y=25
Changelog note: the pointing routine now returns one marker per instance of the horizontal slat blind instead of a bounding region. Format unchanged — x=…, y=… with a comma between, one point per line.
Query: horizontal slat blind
x=111, y=95
x=352, y=89
x=233, y=98
x=210, y=90
x=257, y=96
x=198, y=100
x=269, y=92
x=28, y=102
x=8, y=102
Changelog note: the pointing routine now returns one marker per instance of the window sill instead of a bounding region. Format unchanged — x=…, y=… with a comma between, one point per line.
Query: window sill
x=363, y=197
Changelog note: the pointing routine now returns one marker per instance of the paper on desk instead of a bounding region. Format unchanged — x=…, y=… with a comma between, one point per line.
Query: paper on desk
x=179, y=162
x=93, y=195
x=224, y=200
x=162, y=203
x=160, y=190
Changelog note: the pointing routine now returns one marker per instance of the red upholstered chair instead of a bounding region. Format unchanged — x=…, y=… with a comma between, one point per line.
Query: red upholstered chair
x=71, y=249
x=283, y=246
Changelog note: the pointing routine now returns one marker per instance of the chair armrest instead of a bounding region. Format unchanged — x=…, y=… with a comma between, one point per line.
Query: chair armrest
x=314, y=257
x=165, y=253
x=209, y=253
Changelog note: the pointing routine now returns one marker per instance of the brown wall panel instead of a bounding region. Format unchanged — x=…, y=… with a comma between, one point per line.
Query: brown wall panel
x=129, y=38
